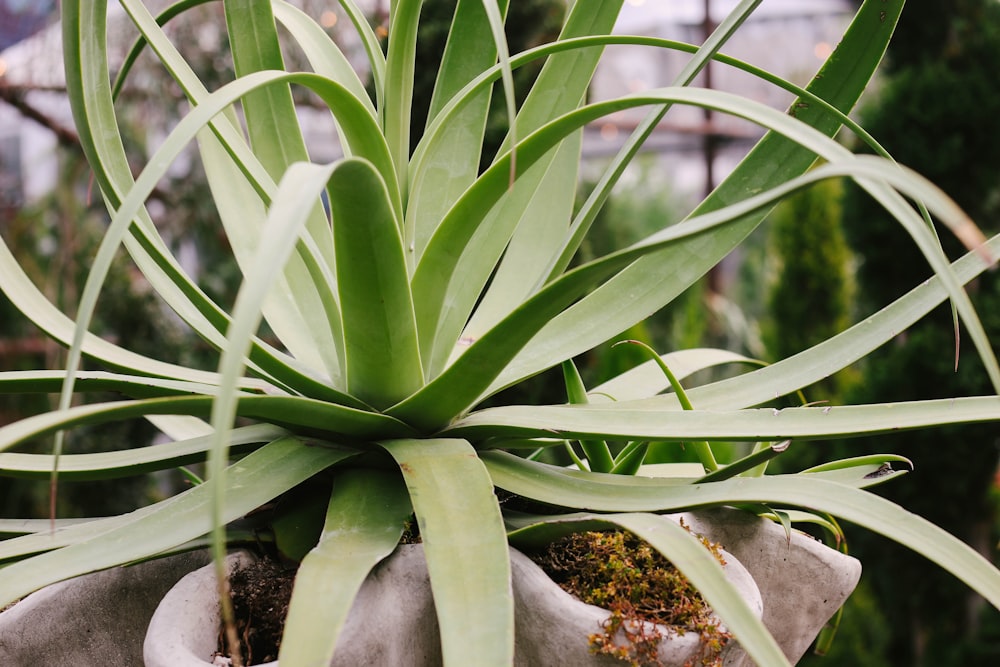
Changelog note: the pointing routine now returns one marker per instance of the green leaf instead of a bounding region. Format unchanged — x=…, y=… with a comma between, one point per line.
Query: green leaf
x=295, y=412
x=606, y=493
x=597, y=452
x=383, y=357
x=452, y=162
x=587, y=214
x=376, y=59
x=134, y=386
x=325, y=57
x=824, y=359
x=748, y=462
x=309, y=334
x=466, y=548
x=655, y=281
x=132, y=461
x=540, y=230
x=641, y=421
x=272, y=125
x=399, y=65
x=456, y=266
x=490, y=357
x=647, y=379
x=364, y=522
x=100, y=544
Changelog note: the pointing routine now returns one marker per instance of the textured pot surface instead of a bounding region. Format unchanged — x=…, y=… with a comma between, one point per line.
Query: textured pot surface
x=802, y=581
x=392, y=621
x=95, y=620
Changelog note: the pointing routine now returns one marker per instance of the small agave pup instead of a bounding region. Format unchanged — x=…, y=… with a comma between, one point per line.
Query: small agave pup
x=423, y=287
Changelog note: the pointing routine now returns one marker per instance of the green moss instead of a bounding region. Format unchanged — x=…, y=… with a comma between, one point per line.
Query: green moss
x=621, y=573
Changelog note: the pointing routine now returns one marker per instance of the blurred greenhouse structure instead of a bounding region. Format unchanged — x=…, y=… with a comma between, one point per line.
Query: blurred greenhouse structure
x=31, y=81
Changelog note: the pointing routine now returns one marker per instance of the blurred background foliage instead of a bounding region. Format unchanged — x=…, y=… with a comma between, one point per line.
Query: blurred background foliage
x=939, y=113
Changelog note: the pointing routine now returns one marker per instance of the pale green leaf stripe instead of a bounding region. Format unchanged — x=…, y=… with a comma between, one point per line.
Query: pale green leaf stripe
x=656, y=281
x=381, y=348
x=466, y=548
x=647, y=379
x=290, y=411
x=251, y=482
x=367, y=513
x=544, y=483
x=180, y=427
x=621, y=421
x=686, y=552
x=129, y=462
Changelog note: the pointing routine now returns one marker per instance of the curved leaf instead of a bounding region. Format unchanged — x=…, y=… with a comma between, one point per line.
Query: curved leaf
x=288, y=411
x=380, y=334
x=647, y=379
x=364, y=522
x=100, y=544
x=466, y=548
x=489, y=358
x=660, y=278
x=625, y=421
x=133, y=461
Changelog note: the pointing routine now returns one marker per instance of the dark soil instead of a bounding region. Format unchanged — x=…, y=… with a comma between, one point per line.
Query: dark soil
x=261, y=593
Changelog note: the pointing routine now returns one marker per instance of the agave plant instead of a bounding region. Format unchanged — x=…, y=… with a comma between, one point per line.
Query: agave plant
x=406, y=289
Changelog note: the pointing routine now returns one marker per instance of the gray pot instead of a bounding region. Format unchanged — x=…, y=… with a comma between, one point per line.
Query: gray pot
x=95, y=620
x=101, y=619
x=392, y=621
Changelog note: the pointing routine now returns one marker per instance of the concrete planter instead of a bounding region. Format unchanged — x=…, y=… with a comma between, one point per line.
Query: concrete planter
x=393, y=623
x=96, y=619
x=101, y=619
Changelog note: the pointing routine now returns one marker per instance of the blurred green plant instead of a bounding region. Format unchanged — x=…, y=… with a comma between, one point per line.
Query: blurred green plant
x=405, y=289
x=938, y=112
x=811, y=294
